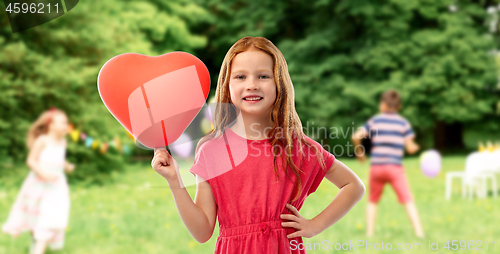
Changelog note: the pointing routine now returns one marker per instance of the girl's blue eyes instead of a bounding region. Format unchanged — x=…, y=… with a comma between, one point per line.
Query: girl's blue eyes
x=241, y=76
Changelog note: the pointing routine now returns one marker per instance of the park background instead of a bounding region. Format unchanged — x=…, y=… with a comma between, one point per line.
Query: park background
x=441, y=55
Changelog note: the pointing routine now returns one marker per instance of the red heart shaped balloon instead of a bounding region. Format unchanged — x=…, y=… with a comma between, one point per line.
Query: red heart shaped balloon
x=154, y=97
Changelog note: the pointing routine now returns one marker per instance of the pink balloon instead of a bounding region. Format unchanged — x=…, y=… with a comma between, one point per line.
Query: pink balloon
x=182, y=146
x=430, y=163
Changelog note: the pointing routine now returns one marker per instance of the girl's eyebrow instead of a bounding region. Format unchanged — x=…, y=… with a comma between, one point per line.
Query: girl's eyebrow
x=244, y=71
x=265, y=70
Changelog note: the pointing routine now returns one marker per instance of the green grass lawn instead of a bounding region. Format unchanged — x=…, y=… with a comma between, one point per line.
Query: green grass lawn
x=136, y=214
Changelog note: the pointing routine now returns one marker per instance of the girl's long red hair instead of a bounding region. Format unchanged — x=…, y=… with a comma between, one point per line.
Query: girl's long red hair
x=287, y=125
x=41, y=125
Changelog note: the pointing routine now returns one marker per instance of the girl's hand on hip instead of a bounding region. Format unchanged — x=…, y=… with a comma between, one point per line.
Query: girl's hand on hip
x=165, y=164
x=305, y=227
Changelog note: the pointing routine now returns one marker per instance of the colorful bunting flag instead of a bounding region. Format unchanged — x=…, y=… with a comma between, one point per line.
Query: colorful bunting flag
x=118, y=144
x=206, y=126
x=89, y=141
x=74, y=135
x=126, y=149
x=95, y=144
x=104, y=147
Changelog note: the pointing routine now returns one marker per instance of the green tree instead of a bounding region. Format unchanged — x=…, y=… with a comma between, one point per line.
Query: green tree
x=434, y=52
x=343, y=54
x=232, y=20
x=57, y=63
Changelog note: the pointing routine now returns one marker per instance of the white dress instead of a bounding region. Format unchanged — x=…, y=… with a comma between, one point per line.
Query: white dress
x=43, y=206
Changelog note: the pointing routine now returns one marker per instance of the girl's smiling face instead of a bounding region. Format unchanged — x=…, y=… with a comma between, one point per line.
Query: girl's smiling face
x=59, y=124
x=251, y=85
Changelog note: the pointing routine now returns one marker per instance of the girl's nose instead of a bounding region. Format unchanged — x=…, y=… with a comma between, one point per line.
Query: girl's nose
x=252, y=84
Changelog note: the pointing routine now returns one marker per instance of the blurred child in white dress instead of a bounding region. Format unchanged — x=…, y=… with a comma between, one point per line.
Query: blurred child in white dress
x=42, y=205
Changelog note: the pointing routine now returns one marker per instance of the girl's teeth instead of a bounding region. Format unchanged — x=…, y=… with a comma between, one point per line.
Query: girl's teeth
x=253, y=99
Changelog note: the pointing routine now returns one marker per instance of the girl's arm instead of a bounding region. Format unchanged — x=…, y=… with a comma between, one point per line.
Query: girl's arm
x=351, y=191
x=199, y=216
x=32, y=160
x=356, y=140
x=69, y=167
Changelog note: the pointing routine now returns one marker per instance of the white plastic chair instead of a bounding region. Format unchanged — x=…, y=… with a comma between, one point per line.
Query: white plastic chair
x=495, y=157
x=479, y=167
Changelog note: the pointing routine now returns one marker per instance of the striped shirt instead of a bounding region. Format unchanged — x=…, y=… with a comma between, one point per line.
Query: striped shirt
x=388, y=132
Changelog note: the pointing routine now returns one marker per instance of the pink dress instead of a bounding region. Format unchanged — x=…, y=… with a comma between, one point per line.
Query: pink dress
x=42, y=206
x=249, y=198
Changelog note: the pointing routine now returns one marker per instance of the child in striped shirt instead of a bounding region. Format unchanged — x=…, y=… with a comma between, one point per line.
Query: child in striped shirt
x=391, y=134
